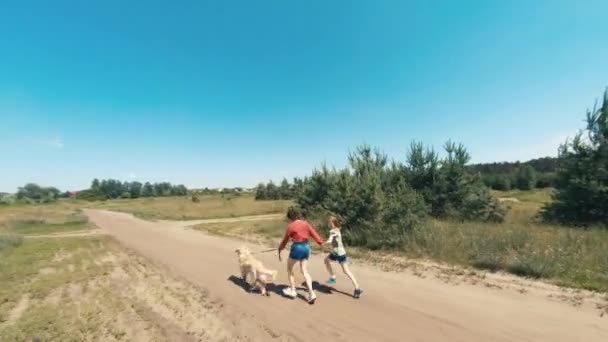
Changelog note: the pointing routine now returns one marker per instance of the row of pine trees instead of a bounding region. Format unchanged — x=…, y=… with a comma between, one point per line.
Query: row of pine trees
x=379, y=200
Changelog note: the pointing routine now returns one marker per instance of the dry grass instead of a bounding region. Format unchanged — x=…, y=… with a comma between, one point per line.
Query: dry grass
x=539, y=196
x=58, y=212
x=89, y=289
x=527, y=206
x=567, y=256
x=263, y=232
x=182, y=208
x=10, y=240
x=155, y=208
x=42, y=219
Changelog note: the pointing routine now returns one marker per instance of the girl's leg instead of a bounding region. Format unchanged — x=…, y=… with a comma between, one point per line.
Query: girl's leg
x=350, y=275
x=304, y=268
x=329, y=268
x=292, y=281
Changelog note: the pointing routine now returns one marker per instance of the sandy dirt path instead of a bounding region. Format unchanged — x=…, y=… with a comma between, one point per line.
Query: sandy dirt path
x=395, y=306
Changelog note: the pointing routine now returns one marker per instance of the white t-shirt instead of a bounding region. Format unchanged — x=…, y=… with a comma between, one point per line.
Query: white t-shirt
x=335, y=236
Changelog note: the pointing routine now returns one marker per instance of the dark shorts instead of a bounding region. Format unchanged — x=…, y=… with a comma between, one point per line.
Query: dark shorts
x=341, y=259
x=299, y=251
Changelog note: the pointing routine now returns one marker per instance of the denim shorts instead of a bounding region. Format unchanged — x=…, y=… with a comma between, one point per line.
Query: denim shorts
x=341, y=259
x=299, y=251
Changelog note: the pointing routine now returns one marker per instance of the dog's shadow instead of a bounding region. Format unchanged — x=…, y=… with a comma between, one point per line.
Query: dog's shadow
x=271, y=288
x=278, y=288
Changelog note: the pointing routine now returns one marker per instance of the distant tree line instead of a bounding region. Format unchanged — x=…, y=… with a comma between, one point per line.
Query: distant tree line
x=112, y=188
x=270, y=191
x=536, y=173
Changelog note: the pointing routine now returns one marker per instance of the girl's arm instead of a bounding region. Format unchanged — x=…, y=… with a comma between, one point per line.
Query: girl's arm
x=284, y=241
x=315, y=235
x=331, y=238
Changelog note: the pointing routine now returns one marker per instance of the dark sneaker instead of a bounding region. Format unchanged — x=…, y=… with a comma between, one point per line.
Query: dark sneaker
x=357, y=293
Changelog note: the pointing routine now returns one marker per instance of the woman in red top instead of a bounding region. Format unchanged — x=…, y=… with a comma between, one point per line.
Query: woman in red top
x=298, y=231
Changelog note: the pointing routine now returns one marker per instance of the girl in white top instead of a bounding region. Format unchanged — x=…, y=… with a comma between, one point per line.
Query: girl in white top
x=338, y=254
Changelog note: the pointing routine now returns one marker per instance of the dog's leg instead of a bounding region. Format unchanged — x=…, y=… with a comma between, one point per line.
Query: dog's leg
x=245, y=274
x=263, y=289
x=253, y=284
x=262, y=286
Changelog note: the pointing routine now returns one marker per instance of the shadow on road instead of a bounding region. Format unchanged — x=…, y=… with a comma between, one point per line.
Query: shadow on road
x=327, y=289
x=271, y=288
x=278, y=288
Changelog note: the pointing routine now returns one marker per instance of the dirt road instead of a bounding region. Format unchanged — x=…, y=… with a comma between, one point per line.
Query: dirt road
x=395, y=306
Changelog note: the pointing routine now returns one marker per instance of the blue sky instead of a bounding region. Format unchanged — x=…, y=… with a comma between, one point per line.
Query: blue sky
x=230, y=93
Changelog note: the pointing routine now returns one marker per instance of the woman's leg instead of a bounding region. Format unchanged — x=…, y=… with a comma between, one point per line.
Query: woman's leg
x=304, y=268
x=292, y=281
x=349, y=274
x=329, y=268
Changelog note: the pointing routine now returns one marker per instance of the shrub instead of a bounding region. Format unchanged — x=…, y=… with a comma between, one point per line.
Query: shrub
x=34, y=193
x=90, y=195
x=6, y=199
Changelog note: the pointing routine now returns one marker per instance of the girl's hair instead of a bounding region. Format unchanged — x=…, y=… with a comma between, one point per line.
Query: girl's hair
x=293, y=213
x=334, y=221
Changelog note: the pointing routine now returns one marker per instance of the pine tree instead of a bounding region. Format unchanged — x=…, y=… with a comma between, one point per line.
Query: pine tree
x=260, y=192
x=525, y=178
x=272, y=192
x=95, y=184
x=147, y=190
x=581, y=196
x=285, y=190
x=135, y=189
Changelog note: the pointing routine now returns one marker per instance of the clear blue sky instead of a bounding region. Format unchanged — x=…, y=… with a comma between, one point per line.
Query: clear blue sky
x=230, y=93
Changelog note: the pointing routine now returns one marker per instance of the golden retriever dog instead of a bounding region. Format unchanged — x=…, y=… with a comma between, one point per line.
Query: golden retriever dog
x=251, y=266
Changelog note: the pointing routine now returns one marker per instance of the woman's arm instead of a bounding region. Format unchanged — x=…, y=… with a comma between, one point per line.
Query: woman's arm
x=315, y=235
x=285, y=240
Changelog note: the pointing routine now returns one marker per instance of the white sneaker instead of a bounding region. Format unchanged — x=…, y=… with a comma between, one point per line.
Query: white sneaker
x=312, y=298
x=288, y=292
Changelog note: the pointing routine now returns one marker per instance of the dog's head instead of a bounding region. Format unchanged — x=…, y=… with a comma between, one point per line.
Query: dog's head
x=242, y=251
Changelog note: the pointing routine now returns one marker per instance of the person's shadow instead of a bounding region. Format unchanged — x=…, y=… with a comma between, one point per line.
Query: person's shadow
x=326, y=289
x=278, y=288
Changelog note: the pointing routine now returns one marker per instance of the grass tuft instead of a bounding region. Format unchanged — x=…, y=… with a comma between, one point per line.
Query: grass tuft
x=10, y=241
